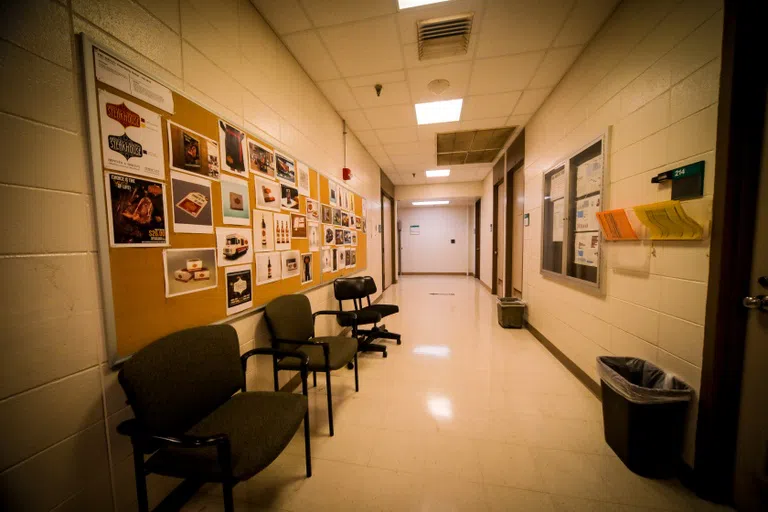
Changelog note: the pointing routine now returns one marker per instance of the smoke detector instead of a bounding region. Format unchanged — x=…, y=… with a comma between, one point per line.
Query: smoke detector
x=444, y=37
x=439, y=86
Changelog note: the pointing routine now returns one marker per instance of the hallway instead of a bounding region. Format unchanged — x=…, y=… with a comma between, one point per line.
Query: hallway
x=464, y=415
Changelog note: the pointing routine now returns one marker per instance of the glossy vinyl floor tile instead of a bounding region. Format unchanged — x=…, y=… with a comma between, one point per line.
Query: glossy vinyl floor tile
x=464, y=415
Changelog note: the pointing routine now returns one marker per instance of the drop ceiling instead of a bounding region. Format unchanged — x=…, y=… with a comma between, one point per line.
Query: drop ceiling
x=518, y=51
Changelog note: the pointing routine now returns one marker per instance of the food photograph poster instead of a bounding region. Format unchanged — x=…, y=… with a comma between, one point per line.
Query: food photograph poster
x=235, y=201
x=239, y=288
x=189, y=270
x=192, y=205
x=232, y=148
x=233, y=246
x=136, y=210
x=191, y=152
x=131, y=140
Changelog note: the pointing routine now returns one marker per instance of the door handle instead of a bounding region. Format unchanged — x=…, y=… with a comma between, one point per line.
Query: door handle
x=757, y=302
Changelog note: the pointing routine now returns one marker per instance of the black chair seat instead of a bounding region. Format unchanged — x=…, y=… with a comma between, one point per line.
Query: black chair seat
x=259, y=425
x=364, y=316
x=384, y=309
x=341, y=351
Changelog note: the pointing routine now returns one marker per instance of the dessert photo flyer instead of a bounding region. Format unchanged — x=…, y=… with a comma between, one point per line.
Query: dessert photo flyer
x=189, y=270
x=192, y=205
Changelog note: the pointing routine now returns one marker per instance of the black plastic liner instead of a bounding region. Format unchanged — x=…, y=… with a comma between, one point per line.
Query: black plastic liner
x=642, y=382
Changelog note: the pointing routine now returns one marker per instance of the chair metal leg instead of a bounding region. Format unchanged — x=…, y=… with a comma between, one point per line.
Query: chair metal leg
x=141, y=477
x=274, y=373
x=229, y=502
x=357, y=385
x=314, y=379
x=307, y=451
x=330, y=400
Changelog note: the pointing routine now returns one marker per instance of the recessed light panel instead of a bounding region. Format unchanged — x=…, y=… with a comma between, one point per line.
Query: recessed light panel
x=429, y=203
x=438, y=173
x=407, y=4
x=439, y=111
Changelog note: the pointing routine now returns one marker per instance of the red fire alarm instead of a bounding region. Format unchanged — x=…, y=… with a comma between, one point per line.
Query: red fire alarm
x=346, y=173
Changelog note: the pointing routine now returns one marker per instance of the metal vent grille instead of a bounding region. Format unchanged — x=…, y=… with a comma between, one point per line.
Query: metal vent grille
x=444, y=37
x=471, y=147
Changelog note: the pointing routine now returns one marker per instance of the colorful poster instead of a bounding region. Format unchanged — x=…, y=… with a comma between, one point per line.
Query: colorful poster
x=298, y=226
x=239, y=288
x=136, y=210
x=233, y=246
x=282, y=231
x=353, y=234
x=347, y=258
x=119, y=75
x=192, y=205
x=358, y=223
x=291, y=264
x=347, y=237
x=313, y=234
x=353, y=257
x=327, y=214
x=333, y=198
x=329, y=237
x=307, y=270
x=235, y=201
x=339, y=236
x=286, y=170
x=261, y=159
x=267, y=194
x=268, y=268
x=339, y=258
x=586, y=248
x=337, y=217
x=312, y=208
x=191, y=152
x=586, y=214
x=263, y=231
x=345, y=219
x=189, y=270
x=303, y=176
x=232, y=148
x=289, y=198
x=131, y=140
x=327, y=261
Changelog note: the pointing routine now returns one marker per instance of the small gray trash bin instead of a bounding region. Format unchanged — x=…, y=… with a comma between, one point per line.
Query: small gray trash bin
x=510, y=312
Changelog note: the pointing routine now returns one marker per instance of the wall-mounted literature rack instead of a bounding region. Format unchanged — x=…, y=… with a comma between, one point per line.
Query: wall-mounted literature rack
x=666, y=220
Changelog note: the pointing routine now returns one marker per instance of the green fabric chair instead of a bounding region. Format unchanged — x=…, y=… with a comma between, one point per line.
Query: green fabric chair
x=292, y=325
x=189, y=416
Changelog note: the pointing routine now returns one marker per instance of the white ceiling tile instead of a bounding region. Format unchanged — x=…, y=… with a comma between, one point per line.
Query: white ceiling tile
x=457, y=74
x=333, y=12
x=356, y=120
x=483, y=124
x=284, y=16
x=312, y=55
x=518, y=120
x=409, y=148
x=531, y=101
x=427, y=131
x=408, y=162
x=391, y=117
x=556, y=62
x=378, y=154
x=489, y=105
x=391, y=94
x=380, y=78
x=338, y=94
x=365, y=47
x=408, y=18
x=501, y=74
x=367, y=138
x=397, y=135
x=523, y=26
x=584, y=21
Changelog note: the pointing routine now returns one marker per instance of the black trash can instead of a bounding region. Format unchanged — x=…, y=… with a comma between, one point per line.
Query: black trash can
x=510, y=312
x=644, y=411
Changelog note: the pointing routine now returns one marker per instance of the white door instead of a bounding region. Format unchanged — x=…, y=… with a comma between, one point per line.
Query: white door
x=500, y=236
x=386, y=212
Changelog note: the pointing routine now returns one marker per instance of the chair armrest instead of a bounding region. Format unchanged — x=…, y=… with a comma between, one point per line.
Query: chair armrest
x=349, y=314
x=279, y=353
x=133, y=429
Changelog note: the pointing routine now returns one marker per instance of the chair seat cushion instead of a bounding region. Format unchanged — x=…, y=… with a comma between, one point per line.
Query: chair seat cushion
x=384, y=309
x=259, y=425
x=342, y=350
x=364, y=316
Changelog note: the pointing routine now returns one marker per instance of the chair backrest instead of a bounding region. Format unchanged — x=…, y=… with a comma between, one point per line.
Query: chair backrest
x=290, y=318
x=369, y=285
x=176, y=381
x=348, y=288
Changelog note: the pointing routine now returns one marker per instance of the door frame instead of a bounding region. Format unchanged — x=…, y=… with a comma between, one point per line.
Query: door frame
x=395, y=241
x=478, y=206
x=740, y=126
x=494, y=234
x=509, y=230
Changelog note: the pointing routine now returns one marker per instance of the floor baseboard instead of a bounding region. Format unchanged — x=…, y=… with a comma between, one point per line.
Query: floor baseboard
x=433, y=273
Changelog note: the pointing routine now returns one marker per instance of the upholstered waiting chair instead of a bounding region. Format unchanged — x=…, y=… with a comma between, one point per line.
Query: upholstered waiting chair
x=292, y=325
x=183, y=390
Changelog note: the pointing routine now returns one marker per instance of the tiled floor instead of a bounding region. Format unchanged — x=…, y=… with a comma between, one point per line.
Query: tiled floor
x=464, y=415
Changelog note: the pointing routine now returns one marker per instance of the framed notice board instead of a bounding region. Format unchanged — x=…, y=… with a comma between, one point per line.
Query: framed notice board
x=199, y=221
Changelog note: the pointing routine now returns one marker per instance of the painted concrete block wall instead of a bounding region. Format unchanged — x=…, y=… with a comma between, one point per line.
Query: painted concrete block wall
x=59, y=401
x=431, y=250
x=652, y=73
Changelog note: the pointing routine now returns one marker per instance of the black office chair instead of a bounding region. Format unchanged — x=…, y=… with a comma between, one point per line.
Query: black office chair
x=194, y=415
x=292, y=325
x=356, y=289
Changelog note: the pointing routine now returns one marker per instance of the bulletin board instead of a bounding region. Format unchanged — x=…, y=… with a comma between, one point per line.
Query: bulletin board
x=173, y=220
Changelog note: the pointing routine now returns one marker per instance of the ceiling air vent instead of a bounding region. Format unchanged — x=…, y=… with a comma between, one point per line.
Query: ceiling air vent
x=444, y=37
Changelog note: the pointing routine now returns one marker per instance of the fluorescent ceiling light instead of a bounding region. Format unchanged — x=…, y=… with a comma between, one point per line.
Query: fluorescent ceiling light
x=428, y=203
x=438, y=173
x=438, y=111
x=407, y=4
